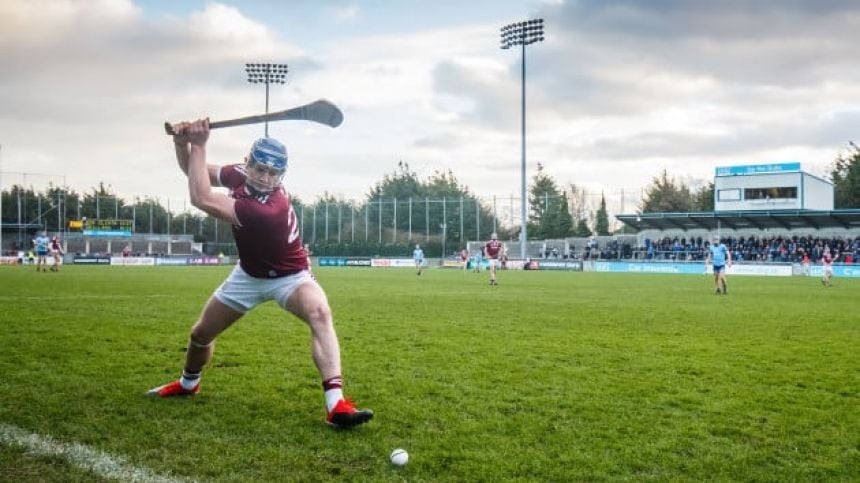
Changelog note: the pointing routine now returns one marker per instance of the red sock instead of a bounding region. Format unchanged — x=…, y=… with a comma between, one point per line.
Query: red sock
x=335, y=382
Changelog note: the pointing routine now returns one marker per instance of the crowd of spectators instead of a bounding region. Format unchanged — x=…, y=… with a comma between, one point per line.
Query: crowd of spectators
x=612, y=250
x=755, y=248
x=595, y=250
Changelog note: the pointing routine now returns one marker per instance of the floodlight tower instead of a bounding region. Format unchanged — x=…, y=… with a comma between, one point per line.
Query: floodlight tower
x=523, y=33
x=1, y=200
x=266, y=74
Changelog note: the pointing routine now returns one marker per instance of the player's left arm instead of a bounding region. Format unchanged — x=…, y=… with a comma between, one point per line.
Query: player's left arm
x=199, y=184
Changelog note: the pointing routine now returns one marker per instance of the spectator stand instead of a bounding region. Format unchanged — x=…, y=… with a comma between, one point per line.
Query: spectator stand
x=752, y=236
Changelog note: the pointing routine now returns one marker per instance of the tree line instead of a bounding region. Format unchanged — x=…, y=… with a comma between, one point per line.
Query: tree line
x=438, y=212
x=666, y=195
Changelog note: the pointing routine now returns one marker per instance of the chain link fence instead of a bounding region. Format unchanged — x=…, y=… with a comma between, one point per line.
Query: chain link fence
x=385, y=226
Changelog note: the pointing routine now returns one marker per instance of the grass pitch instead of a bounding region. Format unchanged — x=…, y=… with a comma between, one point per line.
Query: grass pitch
x=549, y=376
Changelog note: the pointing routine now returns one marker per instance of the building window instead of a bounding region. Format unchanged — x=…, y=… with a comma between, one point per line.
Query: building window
x=781, y=193
x=729, y=195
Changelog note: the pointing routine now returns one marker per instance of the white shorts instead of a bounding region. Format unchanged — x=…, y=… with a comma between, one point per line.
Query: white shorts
x=494, y=262
x=242, y=292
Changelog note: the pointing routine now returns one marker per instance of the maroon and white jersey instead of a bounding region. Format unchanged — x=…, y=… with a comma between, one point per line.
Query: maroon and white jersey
x=493, y=248
x=464, y=255
x=268, y=237
x=827, y=260
x=55, y=244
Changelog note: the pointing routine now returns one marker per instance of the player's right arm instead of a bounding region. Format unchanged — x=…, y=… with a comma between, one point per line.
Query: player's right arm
x=183, y=153
x=199, y=184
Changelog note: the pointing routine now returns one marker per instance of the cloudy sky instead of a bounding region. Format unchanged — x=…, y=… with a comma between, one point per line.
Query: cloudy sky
x=618, y=91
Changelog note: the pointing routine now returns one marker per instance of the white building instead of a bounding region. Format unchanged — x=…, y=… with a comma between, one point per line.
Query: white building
x=782, y=186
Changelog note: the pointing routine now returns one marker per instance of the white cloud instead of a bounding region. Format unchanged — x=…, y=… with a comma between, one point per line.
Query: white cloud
x=87, y=97
x=618, y=91
x=45, y=22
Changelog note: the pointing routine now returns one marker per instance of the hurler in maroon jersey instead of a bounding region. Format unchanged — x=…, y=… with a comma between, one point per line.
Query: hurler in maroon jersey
x=57, y=251
x=273, y=263
x=492, y=252
x=827, y=267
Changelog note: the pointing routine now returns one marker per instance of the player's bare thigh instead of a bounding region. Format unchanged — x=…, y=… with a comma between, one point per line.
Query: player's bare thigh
x=309, y=303
x=215, y=318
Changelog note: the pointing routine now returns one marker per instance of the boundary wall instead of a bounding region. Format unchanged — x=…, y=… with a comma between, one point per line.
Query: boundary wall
x=620, y=266
x=616, y=266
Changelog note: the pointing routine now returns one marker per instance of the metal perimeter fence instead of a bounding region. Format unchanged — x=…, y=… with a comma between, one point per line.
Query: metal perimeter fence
x=442, y=225
x=333, y=227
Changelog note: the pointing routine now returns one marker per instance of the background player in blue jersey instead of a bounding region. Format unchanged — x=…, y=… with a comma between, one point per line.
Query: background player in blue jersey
x=41, y=244
x=719, y=255
x=418, y=257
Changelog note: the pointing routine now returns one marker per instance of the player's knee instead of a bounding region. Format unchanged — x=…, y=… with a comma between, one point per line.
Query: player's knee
x=319, y=313
x=200, y=338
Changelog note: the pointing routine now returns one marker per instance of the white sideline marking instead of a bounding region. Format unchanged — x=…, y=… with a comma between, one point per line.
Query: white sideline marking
x=82, y=456
x=85, y=296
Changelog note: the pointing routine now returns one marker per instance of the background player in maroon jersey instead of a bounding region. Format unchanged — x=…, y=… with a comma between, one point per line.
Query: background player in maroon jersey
x=492, y=250
x=827, y=267
x=57, y=252
x=273, y=264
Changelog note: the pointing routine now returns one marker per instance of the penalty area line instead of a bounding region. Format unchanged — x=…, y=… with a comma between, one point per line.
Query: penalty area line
x=80, y=455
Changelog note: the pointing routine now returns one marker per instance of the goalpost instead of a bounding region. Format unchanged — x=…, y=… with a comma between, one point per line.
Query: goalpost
x=1, y=200
x=25, y=178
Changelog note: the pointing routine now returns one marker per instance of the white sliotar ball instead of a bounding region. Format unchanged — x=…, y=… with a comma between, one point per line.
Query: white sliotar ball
x=399, y=457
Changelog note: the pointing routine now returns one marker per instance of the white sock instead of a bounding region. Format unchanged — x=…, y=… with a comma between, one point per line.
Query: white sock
x=189, y=380
x=332, y=396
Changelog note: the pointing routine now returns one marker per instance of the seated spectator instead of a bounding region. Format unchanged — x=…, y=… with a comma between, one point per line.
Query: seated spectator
x=776, y=248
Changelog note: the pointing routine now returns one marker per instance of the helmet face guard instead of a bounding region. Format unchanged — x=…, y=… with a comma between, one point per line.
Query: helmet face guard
x=266, y=165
